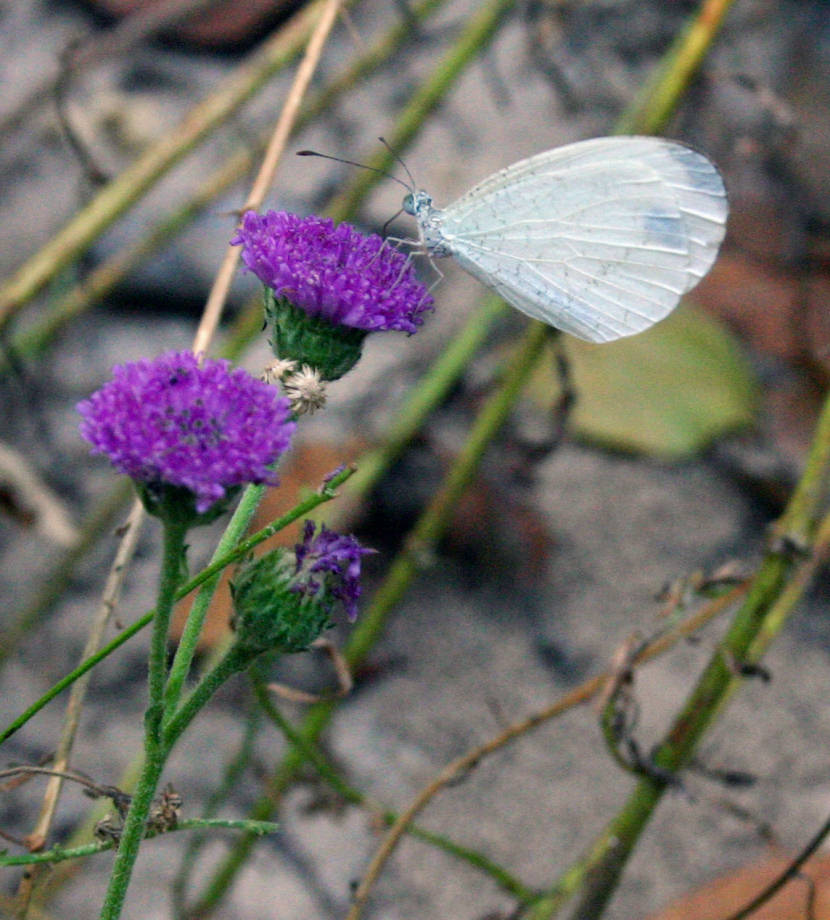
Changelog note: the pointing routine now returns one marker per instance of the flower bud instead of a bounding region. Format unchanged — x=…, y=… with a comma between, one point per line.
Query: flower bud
x=268, y=614
x=284, y=601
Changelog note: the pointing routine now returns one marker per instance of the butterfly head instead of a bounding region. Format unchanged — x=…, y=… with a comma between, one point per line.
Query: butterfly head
x=417, y=203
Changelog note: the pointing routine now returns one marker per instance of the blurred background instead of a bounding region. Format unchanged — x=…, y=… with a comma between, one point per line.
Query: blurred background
x=682, y=444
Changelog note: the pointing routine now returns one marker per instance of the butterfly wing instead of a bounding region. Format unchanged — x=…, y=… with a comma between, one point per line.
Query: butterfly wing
x=598, y=238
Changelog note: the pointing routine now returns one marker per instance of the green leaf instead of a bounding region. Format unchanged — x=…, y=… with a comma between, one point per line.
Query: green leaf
x=668, y=392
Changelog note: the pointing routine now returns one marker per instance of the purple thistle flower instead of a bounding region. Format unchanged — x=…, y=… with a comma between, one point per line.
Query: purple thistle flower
x=329, y=562
x=333, y=273
x=205, y=428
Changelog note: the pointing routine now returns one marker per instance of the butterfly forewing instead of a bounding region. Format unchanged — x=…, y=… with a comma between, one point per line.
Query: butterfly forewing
x=598, y=238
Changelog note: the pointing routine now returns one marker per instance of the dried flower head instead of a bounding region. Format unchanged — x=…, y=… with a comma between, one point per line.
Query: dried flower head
x=172, y=422
x=333, y=272
x=278, y=370
x=305, y=390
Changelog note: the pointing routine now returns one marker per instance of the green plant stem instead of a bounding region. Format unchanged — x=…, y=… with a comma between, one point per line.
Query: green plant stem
x=328, y=492
x=422, y=541
x=775, y=590
x=55, y=854
x=135, y=824
x=329, y=774
x=158, y=741
x=234, y=532
x=104, y=277
x=54, y=583
x=62, y=854
x=651, y=110
x=477, y=34
x=113, y=200
x=231, y=663
x=173, y=562
x=135, y=827
x=157, y=748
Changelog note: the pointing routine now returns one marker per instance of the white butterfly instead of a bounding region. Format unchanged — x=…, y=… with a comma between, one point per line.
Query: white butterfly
x=598, y=238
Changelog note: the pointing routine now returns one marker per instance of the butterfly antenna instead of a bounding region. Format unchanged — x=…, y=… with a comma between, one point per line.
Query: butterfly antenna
x=387, y=145
x=380, y=172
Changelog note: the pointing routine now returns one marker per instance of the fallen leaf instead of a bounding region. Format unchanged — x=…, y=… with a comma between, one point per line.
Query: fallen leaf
x=669, y=392
x=730, y=893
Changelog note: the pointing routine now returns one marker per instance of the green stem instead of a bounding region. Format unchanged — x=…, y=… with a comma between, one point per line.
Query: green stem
x=406, y=566
x=117, y=197
x=657, y=102
x=779, y=583
x=62, y=854
x=135, y=825
x=233, y=661
x=193, y=627
x=155, y=754
x=158, y=743
x=328, y=492
x=171, y=576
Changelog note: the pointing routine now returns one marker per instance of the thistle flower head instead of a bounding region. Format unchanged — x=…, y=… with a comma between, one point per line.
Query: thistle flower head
x=171, y=422
x=329, y=563
x=285, y=601
x=333, y=272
